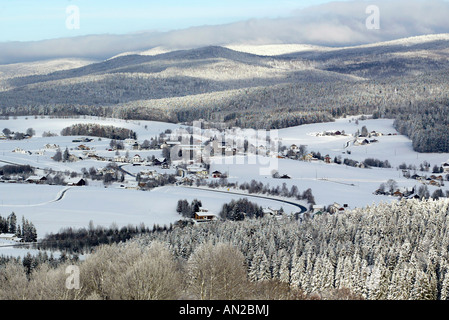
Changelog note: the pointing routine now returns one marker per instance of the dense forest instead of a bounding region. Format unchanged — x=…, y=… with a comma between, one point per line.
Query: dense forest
x=427, y=125
x=395, y=251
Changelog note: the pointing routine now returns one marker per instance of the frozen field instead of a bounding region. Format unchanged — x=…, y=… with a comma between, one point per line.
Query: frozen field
x=329, y=182
x=394, y=148
x=107, y=206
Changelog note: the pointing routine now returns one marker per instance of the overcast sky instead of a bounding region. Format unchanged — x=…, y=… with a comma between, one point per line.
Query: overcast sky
x=30, y=20
x=45, y=29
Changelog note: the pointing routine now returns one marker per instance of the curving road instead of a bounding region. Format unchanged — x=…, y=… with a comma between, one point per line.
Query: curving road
x=301, y=207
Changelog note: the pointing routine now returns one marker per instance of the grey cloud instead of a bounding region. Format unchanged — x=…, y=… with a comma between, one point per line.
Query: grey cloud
x=331, y=24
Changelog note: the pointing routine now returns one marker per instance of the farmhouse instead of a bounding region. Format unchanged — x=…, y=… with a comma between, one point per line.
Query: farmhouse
x=204, y=215
x=337, y=208
x=9, y=237
x=82, y=147
x=121, y=159
x=137, y=159
x=130, y=141
x=136, y=146
x=216, y=174
x=159, y=161
x=445, y=167
x=198, y=170
x=36, y=179
x=318, y=209
x=19, y=150
x=40, y=152
x=76, y=182
x=51, y=146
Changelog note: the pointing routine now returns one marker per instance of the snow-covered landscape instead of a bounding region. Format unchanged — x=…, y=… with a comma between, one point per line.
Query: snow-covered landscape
x=122, y=204
x=191, y=152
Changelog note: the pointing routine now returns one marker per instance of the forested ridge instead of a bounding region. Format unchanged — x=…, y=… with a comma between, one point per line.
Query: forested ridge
x=403, y=82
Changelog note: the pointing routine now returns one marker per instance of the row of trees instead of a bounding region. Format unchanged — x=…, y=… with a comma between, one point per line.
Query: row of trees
x=18, y=135
x=27, y=231
x=258, y=187
x=188, y=210
x=238, y=210
x=83, y=240
x=96, y=130
x=9, y=170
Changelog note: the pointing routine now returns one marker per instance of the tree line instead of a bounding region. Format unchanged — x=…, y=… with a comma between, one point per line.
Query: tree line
x=26, y=231
x=96, y=130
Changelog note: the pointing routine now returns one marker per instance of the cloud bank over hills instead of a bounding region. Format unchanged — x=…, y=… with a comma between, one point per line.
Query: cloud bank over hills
x=330, y=24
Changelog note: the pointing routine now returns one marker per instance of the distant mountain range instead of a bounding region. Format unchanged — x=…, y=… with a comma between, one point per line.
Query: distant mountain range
x=164, y=84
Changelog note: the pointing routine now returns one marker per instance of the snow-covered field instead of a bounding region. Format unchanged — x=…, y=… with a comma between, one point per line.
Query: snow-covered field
x=10, y=249
x=55, y=125
x=107, y=206
x=104, y=206
x=395, y=148
x=339, y=183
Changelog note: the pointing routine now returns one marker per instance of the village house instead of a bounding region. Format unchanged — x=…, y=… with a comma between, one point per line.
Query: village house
x=272, y=212
x=129, y=141
x=36, y=179
x=82, y=147
x=375, y=134
x=159, y=161
x=434, y=183
x=51, y=146
x=148, y=174
x=75, y=182
x=73, y=158
x=9, y=237
x=337, y=208
x=307, y=157
x=137, y=159
x=164, y=145
x=40, y=152
x=197, y=170
x=361, y=142
x=203, y=215
x=318, y=209
x=216, y=174
x=445, y=167
x=95, y=157
x=398, y=194
x=19, y=150
x=120, y=159
x=136, y=146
